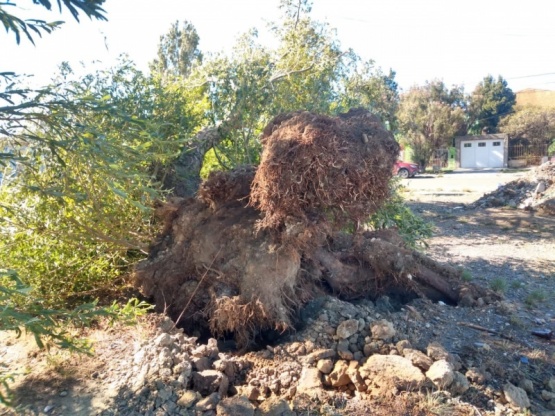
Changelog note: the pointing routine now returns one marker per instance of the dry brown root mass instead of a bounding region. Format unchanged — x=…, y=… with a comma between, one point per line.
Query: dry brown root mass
x=231, y=268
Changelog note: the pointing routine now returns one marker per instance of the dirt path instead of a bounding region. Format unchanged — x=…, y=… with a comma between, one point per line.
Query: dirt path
x=511, y=251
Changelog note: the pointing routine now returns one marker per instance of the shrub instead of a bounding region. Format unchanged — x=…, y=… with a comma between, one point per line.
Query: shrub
x=394, y=213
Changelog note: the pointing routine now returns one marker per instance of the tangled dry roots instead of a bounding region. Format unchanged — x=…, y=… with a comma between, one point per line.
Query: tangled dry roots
x=316, y=168
x=221, y=187
x=243, y=319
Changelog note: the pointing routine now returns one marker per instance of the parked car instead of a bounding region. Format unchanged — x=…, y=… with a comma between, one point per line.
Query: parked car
x=405, y=170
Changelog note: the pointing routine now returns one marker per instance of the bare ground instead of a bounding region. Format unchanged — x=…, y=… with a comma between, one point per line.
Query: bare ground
x=511, y=251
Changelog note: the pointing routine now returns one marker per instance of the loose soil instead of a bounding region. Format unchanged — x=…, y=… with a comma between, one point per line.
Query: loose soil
x=509, y=250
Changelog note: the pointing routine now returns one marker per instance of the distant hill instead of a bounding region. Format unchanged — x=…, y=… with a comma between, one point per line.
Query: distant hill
x=538, y=98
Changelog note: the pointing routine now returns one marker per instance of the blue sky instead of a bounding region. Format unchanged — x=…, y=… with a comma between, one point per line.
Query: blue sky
x=459, y=42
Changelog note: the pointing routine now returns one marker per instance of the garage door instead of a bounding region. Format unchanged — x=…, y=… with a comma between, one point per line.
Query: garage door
x=482, y=154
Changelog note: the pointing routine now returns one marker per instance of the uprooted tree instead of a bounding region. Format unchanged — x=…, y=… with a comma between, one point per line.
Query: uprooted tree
x=258, y=243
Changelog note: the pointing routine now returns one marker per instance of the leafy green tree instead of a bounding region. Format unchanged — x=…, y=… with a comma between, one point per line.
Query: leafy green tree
x=429, y=117
x=178, y=51
x=307, y=70
x=490, y=101
x=531, y=125
x=370, y=88
x=78, y=212
x=31, y=27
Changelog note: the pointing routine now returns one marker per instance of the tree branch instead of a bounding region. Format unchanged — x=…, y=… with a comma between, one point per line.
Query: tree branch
x=295, y=72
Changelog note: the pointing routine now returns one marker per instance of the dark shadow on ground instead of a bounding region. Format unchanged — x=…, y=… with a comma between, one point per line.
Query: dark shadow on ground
x=56, y=395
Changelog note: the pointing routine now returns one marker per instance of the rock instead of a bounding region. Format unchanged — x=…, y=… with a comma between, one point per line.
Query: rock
x=165, y=359
x=418, y=358
x=274, y=407
x=210, y=381
x=285, y=379
x=188, y=399
x=163, y=340
x=208, y=403
x=344, y=351
x=227, y=367
x=383, y=330
x=347, y=328
x=319, y=355
x=386, y=369
x=548, y=395
x=166, y=325
x=540, y=188
x=401, y=345
x=325, y=366
x=437, y=352
x=476, y=375
x=201, y=363
x=310, y=379
x=165, y=393
x=355, y=376
x=253, y=393
x=370, y=348
x=526, y=385
x=339, y=377
x=550, y=384
x=237, y=405
x=516, y=396
x=441, y=373
x=459, y=385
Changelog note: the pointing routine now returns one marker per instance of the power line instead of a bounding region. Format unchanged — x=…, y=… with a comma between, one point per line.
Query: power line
x=536, y=75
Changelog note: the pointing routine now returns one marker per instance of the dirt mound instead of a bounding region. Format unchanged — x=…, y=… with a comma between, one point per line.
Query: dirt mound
x=534, y=192
x=227, y=268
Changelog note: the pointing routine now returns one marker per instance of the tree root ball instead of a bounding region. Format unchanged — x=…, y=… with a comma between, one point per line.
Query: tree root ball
x=316, y=168
x=230, y=268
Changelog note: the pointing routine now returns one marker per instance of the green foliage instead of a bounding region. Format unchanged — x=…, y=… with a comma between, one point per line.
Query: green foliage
x=535, y=297
x=466, y=276
x=178, y=51
x=395, y=213
x=370, y=88
x=5, y=392
x=498, y=284
x=489, y=102
x=44, y=323
x=128, y=313
x=31, y=27
x=86, y=159
x=530, y=125
x=306, y=70
x=429, y=118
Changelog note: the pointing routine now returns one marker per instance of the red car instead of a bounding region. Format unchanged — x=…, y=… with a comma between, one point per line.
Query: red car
x=405, y=170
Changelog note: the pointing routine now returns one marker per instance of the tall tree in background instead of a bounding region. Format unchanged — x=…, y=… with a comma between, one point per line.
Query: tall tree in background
x=530, y=125
x=429, y=117
x=370, y=88
x=178, y=50
x=490, y=101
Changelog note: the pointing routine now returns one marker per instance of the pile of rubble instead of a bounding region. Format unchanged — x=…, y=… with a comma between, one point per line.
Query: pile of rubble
x=535, y=191
x=345, y=358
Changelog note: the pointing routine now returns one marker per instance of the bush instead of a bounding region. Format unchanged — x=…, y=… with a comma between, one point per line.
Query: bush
x=394, y=213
